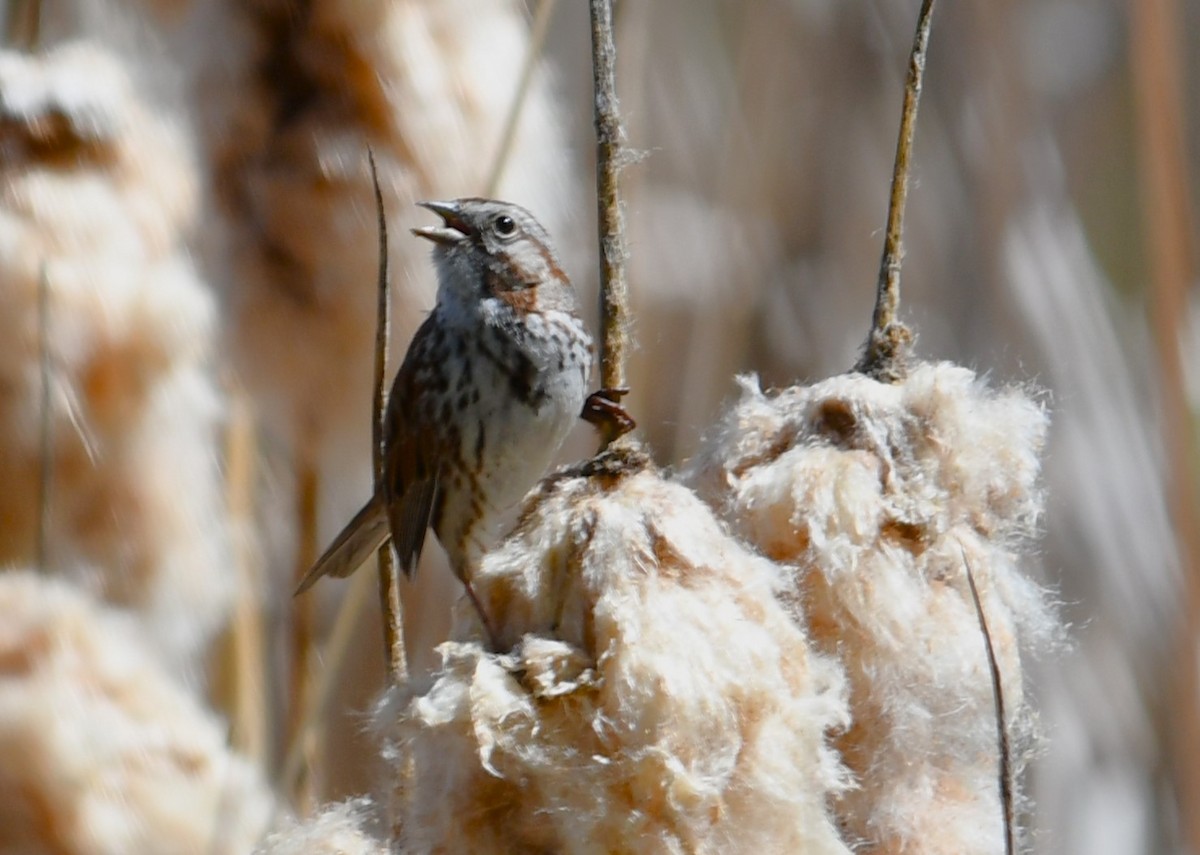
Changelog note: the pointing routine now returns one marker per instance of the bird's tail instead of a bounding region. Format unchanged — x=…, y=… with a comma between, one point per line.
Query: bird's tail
x=351, y=548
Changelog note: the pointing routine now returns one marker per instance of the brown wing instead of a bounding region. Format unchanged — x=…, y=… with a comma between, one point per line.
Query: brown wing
x=411, y=466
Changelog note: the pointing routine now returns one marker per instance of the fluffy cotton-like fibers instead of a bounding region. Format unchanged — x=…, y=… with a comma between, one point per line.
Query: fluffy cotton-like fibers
x=657, y=696
x=103, y=752
x=336, y=830
x=878, y=495
x=97, y=196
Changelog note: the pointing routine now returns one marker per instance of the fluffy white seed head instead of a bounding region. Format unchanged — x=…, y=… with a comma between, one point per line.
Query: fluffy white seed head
x=336, y=830
x=878, y=496
x=97, y=196
x=104, y=751
x=659, y=697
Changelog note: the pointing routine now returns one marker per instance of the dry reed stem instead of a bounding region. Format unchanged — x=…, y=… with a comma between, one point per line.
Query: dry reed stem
x=884, y=352
x=1168, y=225
x=292, y=777
x=610, y=158
x=885, y=356
x=389, y=579
x=1004, y=766
x=537, y=38
x=299, y=789
x=247, y=633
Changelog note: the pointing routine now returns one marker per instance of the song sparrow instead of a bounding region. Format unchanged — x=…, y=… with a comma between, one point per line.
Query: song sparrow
x=487, y=392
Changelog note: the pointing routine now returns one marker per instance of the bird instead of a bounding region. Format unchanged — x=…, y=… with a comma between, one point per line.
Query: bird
x=490, y=386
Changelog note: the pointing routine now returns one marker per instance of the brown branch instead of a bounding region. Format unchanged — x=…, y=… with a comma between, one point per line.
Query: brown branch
x=886, y=347
x=1003, y=748
x=389, y=579
x=610, y=156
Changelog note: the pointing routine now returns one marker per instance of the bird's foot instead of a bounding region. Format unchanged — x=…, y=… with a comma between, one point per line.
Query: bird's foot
x=603, y=409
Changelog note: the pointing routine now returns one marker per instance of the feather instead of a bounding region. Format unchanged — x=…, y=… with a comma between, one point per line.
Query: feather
x=361, y=536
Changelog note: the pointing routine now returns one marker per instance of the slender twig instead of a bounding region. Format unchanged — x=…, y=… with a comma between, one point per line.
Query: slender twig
x=1169, y=226
x=316, y=704
x=46, y=458
x=389, y=579
x=303, y=625
x=247, y=648
x=508, y=136
x=610, y=157
x=884, y=352
x=1005, y=752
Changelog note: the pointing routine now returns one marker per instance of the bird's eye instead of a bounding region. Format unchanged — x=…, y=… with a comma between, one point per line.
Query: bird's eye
x=504, y=225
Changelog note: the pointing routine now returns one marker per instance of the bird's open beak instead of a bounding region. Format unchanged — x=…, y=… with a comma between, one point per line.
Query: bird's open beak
x=455, y=228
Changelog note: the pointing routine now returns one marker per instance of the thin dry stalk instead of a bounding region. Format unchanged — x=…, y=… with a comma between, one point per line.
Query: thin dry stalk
x=389, y=579
x=292, y=776
x=537, y=38
x=1004, y=751
x=610, y=157
x=884, y=353
x=247, y=633
x=301, y=739
x=1169, y=224
x=46, y=457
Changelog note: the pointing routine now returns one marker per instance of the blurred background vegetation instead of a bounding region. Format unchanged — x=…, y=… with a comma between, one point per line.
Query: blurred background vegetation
x=1051, y=241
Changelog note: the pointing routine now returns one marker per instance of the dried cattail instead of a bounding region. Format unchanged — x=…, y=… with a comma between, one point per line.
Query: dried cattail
x=104, y=752
x=878, y=495
x=659, y=698
x=96, y=197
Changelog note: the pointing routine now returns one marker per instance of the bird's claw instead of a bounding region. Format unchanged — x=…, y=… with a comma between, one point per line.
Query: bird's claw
x=603, y=409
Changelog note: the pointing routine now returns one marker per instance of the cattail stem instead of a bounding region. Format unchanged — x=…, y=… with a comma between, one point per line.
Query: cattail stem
x=247, y=648
x=310, y=715
x=1004, y=765
x=884, y=353
x=301, y=788
x=389, y=579
x=614, y=289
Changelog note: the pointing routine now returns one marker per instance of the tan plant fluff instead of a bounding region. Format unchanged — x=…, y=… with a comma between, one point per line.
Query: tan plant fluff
x=878, y=495
x=104, y=753
x=97, y=195
x=336, y=830
x=657, y=698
